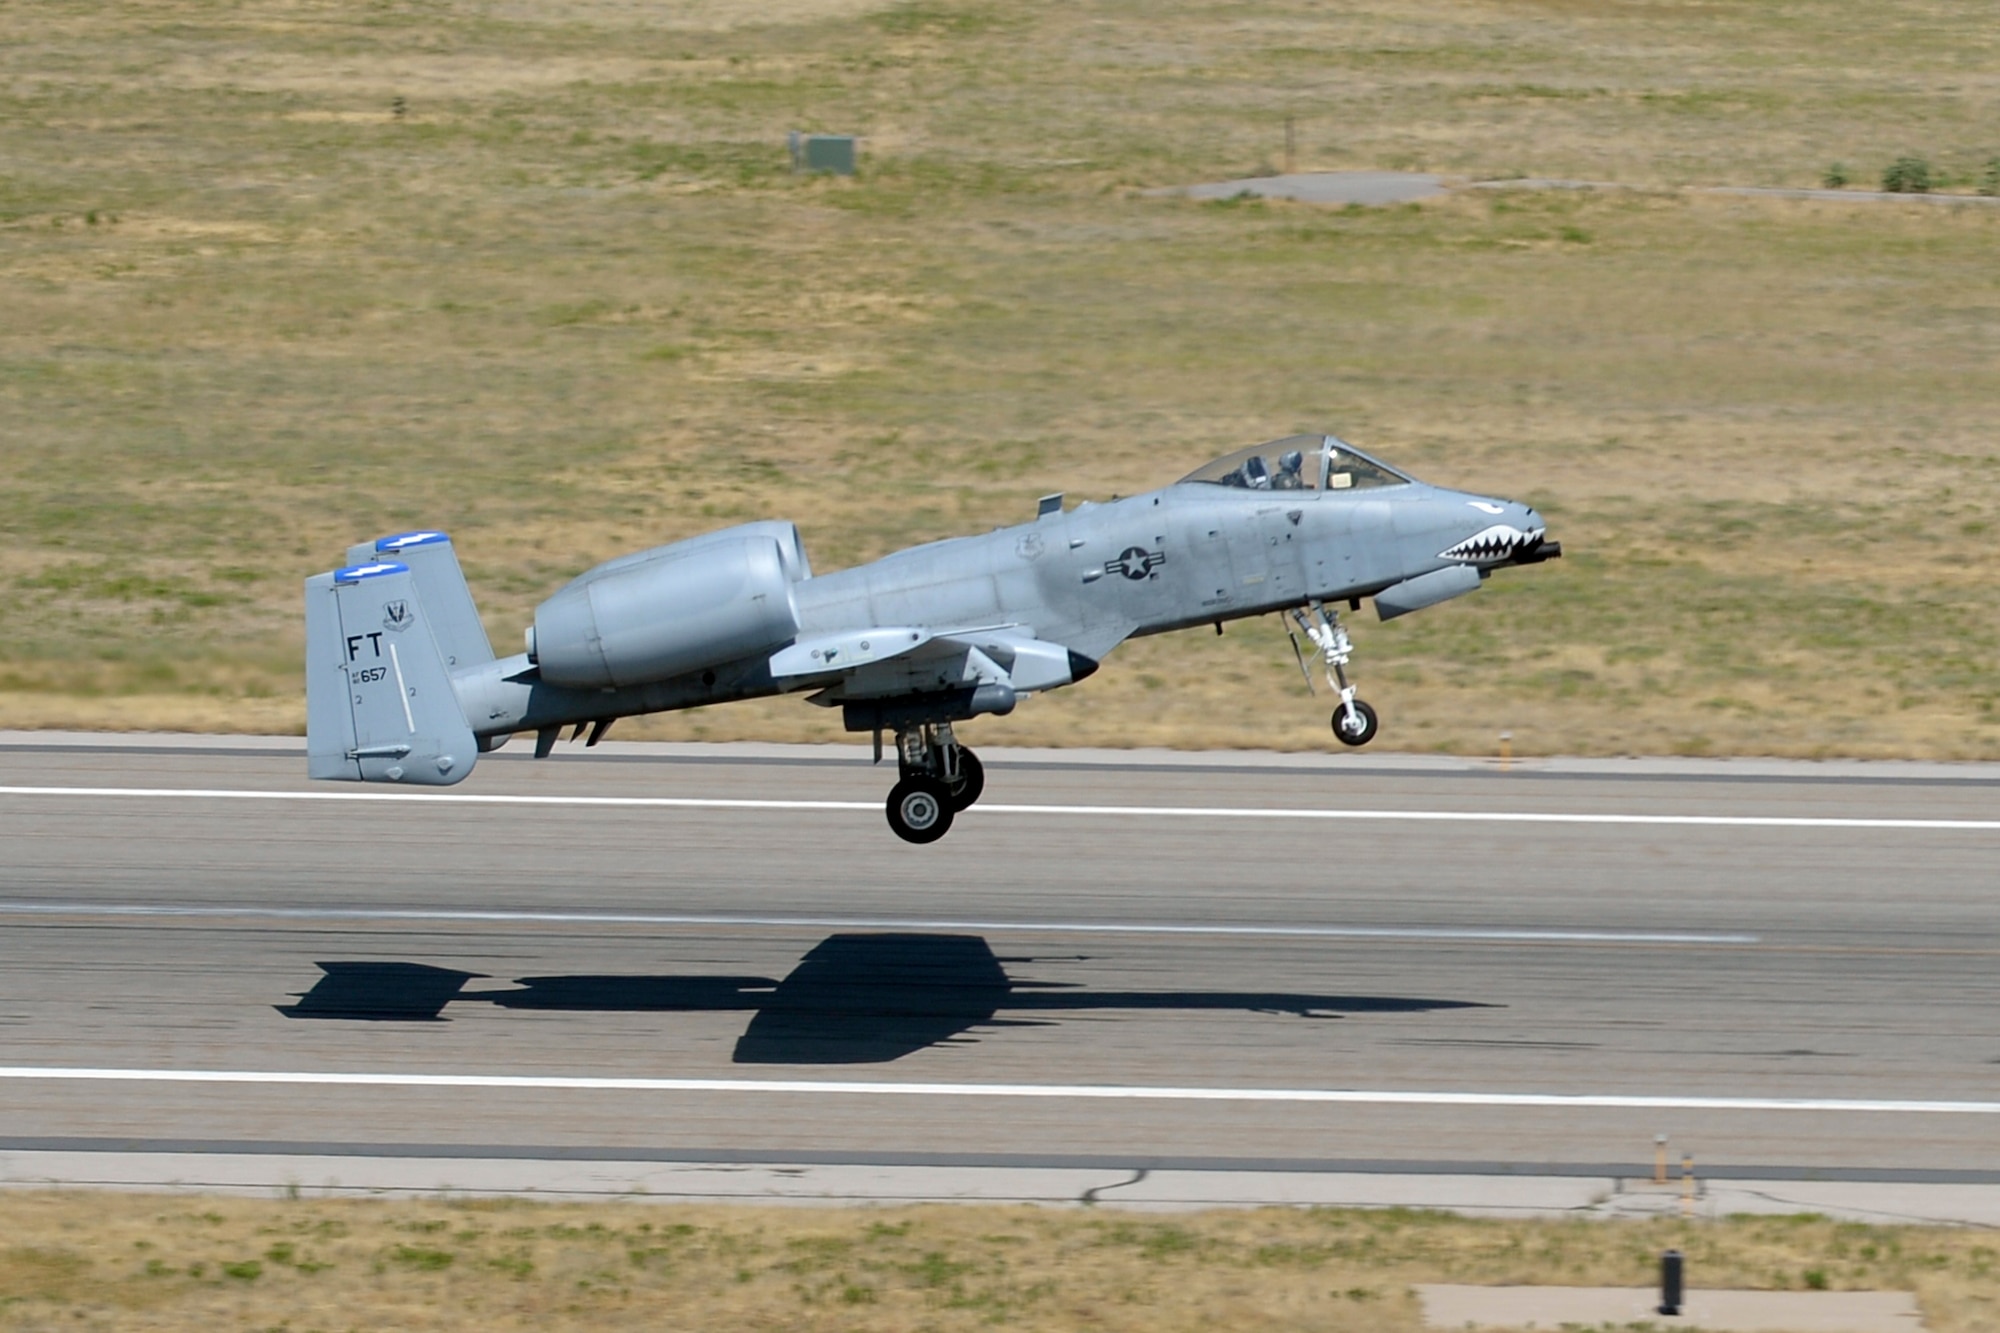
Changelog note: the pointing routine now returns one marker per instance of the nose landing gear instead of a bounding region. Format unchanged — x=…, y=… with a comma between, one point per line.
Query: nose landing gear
x=938, y=777
x=1354, y=722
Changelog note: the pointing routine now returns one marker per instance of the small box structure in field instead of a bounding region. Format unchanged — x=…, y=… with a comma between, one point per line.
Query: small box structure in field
x=823, y=152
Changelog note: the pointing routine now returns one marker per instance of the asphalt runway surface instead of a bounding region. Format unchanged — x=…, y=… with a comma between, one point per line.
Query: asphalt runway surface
x=723, y=955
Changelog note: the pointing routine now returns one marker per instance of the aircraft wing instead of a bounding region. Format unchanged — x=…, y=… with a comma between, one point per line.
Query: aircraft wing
x=846, y=651
x=891, y=660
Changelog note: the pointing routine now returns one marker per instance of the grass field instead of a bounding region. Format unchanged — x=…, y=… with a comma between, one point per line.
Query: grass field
x=571, y=301
x=154, y=1262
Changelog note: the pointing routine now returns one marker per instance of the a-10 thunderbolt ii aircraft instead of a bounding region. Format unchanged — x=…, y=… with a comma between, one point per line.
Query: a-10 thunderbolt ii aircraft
x=402, y=684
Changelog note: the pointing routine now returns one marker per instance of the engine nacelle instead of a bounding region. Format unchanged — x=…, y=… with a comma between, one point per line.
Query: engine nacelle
x=673, y=609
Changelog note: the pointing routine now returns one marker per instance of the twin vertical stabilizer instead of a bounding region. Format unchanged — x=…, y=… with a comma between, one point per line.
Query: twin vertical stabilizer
x=448, y=604
x=380, y=706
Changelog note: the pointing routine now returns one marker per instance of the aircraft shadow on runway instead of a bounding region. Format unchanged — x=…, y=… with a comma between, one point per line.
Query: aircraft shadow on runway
x=854, y=999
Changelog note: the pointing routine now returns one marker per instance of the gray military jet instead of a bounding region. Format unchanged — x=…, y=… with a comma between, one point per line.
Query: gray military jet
x=402, y=684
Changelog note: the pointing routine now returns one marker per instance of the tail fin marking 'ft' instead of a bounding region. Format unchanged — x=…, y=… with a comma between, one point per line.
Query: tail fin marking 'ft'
x=379, y=701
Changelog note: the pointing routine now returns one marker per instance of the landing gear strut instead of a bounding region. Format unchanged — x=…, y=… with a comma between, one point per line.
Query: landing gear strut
x=1354, y=722
x=938, y=777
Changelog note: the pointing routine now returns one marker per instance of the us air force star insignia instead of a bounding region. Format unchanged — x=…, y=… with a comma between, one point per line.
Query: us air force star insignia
x=1135, y=562
x=396, y=615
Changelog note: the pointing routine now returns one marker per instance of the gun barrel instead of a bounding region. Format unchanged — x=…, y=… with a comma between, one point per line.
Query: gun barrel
x=1542, y=551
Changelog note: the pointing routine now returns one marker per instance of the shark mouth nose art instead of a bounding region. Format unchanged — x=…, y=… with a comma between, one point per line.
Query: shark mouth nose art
x=1502, y=541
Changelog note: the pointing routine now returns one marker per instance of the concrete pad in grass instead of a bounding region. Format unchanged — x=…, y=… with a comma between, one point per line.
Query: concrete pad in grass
x=1322, y=187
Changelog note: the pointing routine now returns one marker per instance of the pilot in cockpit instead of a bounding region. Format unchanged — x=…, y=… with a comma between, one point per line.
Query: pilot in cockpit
x=1290, y=464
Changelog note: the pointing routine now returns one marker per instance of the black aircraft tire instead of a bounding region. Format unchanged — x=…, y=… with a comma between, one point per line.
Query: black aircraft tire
x=971, y=780
x=1369, y=725
x=920, y=809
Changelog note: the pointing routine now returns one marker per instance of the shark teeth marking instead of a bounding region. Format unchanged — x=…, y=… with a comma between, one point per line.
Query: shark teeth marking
x=1499, y=542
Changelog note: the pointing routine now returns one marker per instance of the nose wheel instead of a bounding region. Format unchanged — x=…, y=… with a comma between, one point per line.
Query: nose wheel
x=1354, y=722
x=938, y=777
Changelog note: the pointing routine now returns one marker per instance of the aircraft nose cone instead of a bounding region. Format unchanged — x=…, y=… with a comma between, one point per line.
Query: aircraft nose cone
x=1541, y=548
x=1522, y=518
x=1493, y=531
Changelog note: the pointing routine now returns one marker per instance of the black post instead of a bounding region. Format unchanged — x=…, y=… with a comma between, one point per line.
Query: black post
x=1670, y=1282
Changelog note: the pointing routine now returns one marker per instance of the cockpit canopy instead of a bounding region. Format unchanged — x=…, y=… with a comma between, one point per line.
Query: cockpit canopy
x=1299, y=463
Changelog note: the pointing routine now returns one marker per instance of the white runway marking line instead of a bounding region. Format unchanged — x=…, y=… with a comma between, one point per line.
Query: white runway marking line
x=1130, y=811
x=1475, y=934
x=1084, y=1091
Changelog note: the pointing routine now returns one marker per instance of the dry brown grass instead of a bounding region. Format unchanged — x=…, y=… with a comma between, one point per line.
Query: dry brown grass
x=136, y=1261
x=571, y=303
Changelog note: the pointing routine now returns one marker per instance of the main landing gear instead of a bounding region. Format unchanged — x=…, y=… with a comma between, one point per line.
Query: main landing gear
x=1354, y=722
x=938, y=778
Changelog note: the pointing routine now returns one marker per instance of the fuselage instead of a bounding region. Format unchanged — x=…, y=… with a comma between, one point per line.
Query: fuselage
x=1088, y=578
x=1186, y=555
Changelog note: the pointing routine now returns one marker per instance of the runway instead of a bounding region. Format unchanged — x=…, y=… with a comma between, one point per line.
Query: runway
x=1346, y=966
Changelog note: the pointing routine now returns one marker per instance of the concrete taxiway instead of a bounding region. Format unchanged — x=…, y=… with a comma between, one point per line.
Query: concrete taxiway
x=712, y=971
